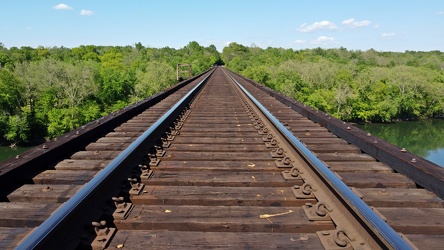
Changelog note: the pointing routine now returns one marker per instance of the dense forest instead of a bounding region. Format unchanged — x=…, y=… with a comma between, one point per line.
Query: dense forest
x=359, y=86
x=45, y=92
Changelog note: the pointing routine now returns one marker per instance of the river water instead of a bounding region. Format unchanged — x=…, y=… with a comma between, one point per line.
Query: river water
x=424, y=138
x=8, y=152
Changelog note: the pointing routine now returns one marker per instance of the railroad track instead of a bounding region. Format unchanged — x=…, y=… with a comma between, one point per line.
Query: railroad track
x=208, y=167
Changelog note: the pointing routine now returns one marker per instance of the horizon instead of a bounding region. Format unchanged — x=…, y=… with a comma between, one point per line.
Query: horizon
x=220, y=51
x=384, y=26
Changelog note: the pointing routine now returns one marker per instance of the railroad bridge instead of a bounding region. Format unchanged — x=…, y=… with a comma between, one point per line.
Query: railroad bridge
x=219, y=161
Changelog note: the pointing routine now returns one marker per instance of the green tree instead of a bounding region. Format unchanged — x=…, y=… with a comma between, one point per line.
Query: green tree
x=156, y=77
x=10, y=92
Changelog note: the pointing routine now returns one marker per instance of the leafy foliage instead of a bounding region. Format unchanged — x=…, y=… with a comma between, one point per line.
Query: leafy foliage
x=360, y=86
x=45, y=92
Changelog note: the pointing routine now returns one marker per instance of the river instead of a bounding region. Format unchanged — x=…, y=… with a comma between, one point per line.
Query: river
x=8, y=152
x=424, y=138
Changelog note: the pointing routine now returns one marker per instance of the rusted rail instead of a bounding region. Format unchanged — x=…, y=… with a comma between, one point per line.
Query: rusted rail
x=224, y=174
x=362, y=210
x=49, y=235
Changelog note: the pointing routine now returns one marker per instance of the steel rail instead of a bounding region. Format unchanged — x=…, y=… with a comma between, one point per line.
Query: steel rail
x=379, y=226
x=42, y=234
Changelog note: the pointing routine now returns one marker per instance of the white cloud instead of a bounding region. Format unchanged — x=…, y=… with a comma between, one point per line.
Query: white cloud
x=324, y=40
x=388, y=35
x=355, y=24
x=62, y=6
x=86, y=12
x=322, y=25
x=300, y=41
x=440, y=12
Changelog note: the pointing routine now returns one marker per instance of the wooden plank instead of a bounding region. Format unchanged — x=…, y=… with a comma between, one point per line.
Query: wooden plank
x=372, y=167
x=329, y=140
x=131, y=129
x=333, y=148
x=226, y=165
x=24, y=214
x=415, y=220
x=217, y=140
x=377, y=180
x=106, y=139
x=400, y=197
x=423, y=241
x=305, y=135
x=216, y=156
x=218, y=196
x=221, y=219
x=243, y=119
x=208, y=129
x=75, y=177
x=241, y=116
x=219, y=134
x=11, y=236
x=82, y=164
x=43, y=193
x=95, y=155
x=314, y=128
x=299, y=120
x=165, y=239
x=330, y=157
x=219, y=147
x=107, y=146
x=216, y=111
x=133, y=135
x=220, y=179
x=218, y=126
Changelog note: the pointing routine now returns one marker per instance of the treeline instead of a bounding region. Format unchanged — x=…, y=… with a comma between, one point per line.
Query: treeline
x=45, y=92
x=359, y=86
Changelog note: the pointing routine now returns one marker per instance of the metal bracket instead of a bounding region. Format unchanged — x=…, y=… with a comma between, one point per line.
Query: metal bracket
x=165, y=142
x=146, y=174
x=277, y=153
x=154, y=161
x=159, y=151
x=136, y=186
x=267, y=138
x=104, y=235
x=293, y=174
x=263, y=131
x=284, y=163
x=338, y=240
x=272, y=144
x=170, y=136
x=122, y=208
x=318, y=212
x=304, y=192
x=178, y=125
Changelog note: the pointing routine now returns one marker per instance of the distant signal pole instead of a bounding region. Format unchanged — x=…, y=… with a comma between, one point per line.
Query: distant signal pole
x=184, y=68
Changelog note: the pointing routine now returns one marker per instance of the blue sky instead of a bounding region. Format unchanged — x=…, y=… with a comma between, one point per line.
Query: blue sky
x=389, y=25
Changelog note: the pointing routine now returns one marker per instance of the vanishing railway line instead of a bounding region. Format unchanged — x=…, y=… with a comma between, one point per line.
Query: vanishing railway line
x=206, y=166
